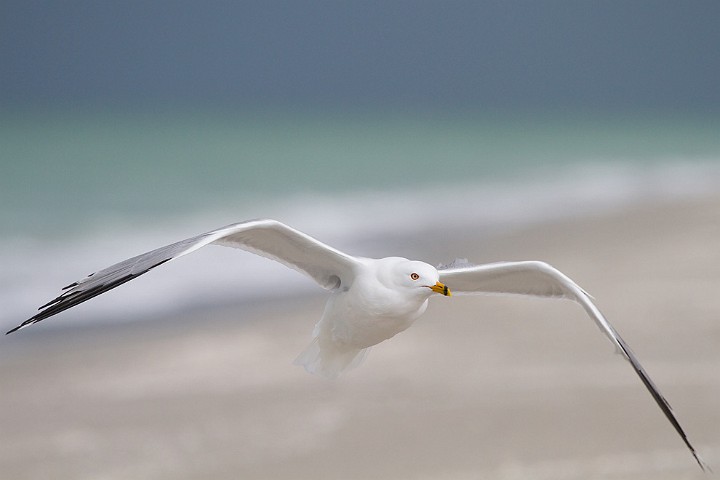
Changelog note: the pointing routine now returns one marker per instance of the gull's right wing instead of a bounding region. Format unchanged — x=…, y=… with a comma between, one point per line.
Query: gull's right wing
x=329, y=267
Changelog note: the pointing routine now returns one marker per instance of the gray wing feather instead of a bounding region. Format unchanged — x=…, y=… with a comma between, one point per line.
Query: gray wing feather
x=518, y=278
x=269, y=238
x=540, y=279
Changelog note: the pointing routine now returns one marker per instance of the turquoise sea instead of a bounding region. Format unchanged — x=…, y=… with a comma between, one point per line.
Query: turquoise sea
x=81, y=190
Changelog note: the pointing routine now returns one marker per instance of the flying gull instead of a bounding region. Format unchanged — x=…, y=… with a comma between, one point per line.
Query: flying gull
x=371, y=300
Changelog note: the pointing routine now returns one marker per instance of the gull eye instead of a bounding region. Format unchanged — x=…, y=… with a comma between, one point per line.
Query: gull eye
x=414, y=276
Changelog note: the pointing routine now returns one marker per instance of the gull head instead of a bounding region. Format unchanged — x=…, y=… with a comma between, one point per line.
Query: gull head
x=411, y=277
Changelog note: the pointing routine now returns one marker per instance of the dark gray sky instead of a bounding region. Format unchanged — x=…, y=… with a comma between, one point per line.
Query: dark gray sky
x=601, y=55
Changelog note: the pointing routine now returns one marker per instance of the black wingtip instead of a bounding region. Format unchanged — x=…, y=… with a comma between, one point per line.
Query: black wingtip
x=13, y=330
x=24, y=324
x=704, y=466
x=661, y=402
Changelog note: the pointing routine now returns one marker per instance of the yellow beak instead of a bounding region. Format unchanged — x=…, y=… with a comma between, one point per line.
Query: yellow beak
x=441, y=289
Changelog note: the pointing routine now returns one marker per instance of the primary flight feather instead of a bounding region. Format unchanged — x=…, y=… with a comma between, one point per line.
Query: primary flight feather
x=371, y=300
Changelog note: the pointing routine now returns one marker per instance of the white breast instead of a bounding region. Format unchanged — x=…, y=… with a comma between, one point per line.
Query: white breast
x=369, y=313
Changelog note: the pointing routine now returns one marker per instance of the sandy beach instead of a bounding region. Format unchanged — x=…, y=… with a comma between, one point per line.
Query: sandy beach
x=480, y=388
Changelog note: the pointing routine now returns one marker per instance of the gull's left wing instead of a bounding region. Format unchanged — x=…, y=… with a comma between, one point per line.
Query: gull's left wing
x=542, y=280
x=271, y=239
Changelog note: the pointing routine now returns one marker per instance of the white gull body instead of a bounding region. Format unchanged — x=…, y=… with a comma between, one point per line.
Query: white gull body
x=386, y=296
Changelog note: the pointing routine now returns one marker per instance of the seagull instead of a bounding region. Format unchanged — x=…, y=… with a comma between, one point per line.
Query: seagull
x=371, y=300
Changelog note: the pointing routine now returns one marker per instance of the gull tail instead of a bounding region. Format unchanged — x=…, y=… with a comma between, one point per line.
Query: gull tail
x=330, y=360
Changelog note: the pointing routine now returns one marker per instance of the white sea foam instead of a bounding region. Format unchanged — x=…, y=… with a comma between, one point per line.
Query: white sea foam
x=34, y=268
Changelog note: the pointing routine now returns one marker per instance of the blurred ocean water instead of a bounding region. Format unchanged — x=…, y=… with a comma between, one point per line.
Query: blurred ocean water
x=81, y=191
